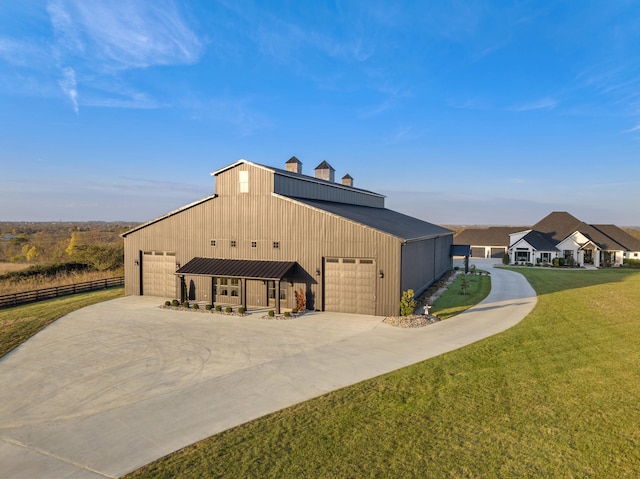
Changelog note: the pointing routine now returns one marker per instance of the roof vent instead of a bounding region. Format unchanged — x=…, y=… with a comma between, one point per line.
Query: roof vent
x=294, y=165
x=324, y=171
x=347, y=180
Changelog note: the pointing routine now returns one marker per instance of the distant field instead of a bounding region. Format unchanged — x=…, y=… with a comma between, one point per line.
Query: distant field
x=10, y=267
x=62, y=279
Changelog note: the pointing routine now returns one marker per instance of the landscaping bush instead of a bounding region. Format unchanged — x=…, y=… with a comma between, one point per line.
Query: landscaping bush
x=208, y=307
x=301, y=300
x=631, y=263
x=506, y=259
x=294, y=310
x=196, y=306
x=175, y=303
x=271, y=313
x=472, y=269
x=218, y=308
x=228, y=309
x=407, y=303
x=287, y=314
x=167, y=303
x=241, y=310
x=185, y=304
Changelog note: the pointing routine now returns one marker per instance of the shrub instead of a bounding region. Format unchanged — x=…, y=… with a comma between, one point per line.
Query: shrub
x=228, y=309
x=175, y=303
x=167, y=303
x=207, y=307
x=294, y=310
x=287, y=314
x=505, y=259
x=241, y=310
x=464, y=286
x=456, y=268
x=218, y=308
x=472, y=269
x=631, y=263
x=185, y=304
x=407, y=303
x=196, y=306
x=271, y=313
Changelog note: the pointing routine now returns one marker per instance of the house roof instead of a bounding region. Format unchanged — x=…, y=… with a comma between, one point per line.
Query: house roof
x=620, y=236
x=382, y=219
x=558, y=225
x=237, y=268
x=491, y=236
x=539, y=241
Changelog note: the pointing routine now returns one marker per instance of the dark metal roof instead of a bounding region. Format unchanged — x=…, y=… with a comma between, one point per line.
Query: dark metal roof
x=237, y=268
x=382, y=219
x=460, y=250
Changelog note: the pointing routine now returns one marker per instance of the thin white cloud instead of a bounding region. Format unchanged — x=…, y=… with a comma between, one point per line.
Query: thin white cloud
x=631, y=130
x=541, y=104
x=68, y=85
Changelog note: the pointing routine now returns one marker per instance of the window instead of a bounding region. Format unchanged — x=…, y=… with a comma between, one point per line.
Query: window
x=283, y=290
x=232, y=243
x=213, y=242
x=223, y=289
x=244, y=181
x=568, y=253
x=233, y=287
x=366, y=261
x=331, y=260
x=276, y=244
x=348, y=261
x=254, y=244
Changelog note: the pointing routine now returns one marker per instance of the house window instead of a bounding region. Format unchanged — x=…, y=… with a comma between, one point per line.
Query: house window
x=523, y=255
x=276, y=244
x=568, y=253
x=283, y=290
x=232, y=243
x=254, y=244
x=213, y=242
x=244, y=181
x=545, y=257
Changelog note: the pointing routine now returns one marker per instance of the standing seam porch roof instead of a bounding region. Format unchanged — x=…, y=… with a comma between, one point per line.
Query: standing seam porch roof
x=237, y=268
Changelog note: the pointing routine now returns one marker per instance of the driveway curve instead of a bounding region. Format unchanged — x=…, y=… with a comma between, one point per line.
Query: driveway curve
x=114, y=386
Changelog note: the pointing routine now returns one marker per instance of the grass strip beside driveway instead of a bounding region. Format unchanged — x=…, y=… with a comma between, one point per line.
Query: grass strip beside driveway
x=555, y=396
x=453, y=302
x=19, y=323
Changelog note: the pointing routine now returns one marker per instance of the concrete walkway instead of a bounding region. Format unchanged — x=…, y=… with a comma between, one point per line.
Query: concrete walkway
x=114, y=386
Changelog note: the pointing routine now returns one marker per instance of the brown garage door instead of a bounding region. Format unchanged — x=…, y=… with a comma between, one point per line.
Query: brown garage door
x=350, y=285
x=158, y=274
x=497, y=252
x=477, y=252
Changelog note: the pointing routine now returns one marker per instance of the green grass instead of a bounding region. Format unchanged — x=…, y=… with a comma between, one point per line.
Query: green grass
x=19, y=323
x=557, y=395
x=453, y=302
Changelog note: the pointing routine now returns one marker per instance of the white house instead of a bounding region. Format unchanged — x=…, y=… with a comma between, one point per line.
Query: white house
x=561, y=235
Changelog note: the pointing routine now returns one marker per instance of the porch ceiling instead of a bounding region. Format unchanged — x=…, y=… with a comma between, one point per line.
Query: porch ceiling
x=237, y=268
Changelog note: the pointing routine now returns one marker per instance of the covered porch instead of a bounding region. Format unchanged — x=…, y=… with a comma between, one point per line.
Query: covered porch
x=230, y=279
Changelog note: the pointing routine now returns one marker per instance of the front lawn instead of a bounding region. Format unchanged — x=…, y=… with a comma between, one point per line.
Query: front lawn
x=453, y=301
x=555, y=396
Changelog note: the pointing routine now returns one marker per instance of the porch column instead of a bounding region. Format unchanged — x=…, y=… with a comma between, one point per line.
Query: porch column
x=243, y=293
x=277, y=297
x=213, y=290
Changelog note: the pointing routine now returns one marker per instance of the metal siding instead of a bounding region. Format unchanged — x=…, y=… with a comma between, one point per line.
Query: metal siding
x=301, y=188
x=305, y=234
x=424, y=261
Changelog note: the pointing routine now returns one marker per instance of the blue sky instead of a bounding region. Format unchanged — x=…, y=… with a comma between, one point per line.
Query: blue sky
x=460, y=112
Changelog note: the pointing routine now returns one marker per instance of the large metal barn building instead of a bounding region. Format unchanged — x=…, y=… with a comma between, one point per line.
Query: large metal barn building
x=268, y=233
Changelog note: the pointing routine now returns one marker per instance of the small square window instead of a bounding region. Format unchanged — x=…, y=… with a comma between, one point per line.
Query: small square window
x=276, y=244
x=232, y=243
x=254, y=244
x=213, y=242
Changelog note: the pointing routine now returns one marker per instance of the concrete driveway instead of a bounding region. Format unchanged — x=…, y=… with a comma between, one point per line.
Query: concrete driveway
x=112, y=387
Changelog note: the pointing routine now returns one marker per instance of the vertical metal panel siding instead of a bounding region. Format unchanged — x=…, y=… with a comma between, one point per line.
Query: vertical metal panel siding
x=301, y=188
x=423, y=262
x=304, y=235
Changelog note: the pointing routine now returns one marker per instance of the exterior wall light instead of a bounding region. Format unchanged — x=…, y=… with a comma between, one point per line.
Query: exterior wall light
x=177, y=266
x=136, y=262
x=317, y=271
x=381, y=275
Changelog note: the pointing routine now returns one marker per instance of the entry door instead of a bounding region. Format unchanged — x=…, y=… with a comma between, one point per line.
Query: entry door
x=350, y=285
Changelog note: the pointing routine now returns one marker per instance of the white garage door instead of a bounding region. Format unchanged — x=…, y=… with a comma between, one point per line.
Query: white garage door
x=158, y=274
x=350, y=285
